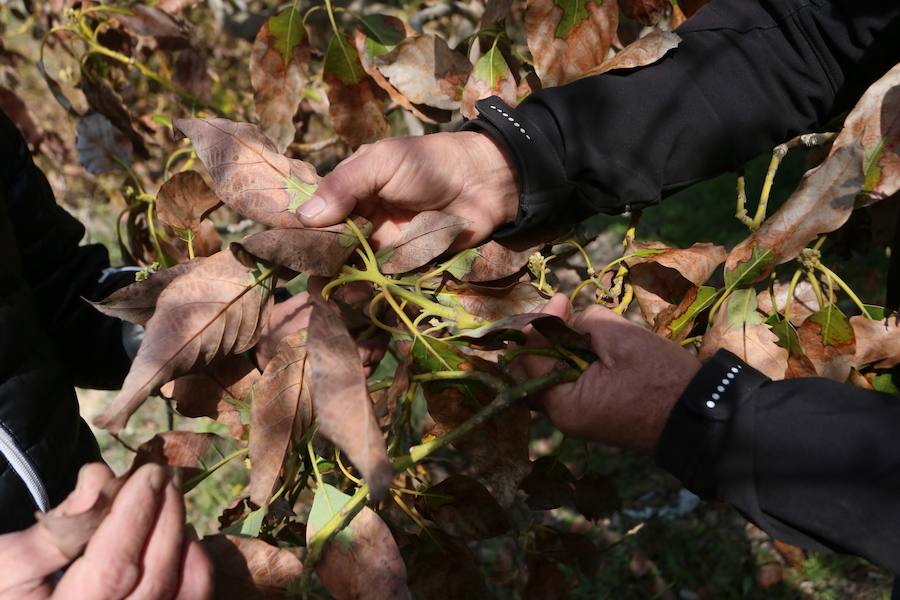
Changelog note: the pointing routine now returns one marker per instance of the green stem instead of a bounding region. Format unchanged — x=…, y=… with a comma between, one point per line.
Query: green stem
x=192, y=483
x=832, y=276
x=489, y=380
x=790, y=298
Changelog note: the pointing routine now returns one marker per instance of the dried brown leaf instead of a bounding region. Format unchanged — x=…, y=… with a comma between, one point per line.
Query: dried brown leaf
x=250, y=569
x=190, y=452
x=215, y=390
x=493, y=261
x=645, y=12
x=491, y=76
x=218, y=308
x=426, y=71
x=462, y=507
x=803, y=305
x=425, y=237
x=101, y=147
x=492, y=304
x=248, y=172
x=568, y=38
x=341, y=398
x=363, y=561
x=644, y=51
x=282, y=406
x=822, y=203
x=356, y=111
x=185, y=200
x=875, y=123
x=278, y=73
x=738, y=328
x=319, y=252
x=137, y=301
x=877, y=342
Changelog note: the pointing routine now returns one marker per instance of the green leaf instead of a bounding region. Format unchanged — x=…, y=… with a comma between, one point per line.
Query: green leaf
x=382, y=32
x=300, y=192
x=787, y=335
x=875, y=312
x=706, y=296
x=647, y=252
x=342, y=61
x=886, y=383
x=741, y=309
x=574, y=13
x=462, y=263
x=327, y=502
x=427, y=361
x=836, y=328
x=751, y=271
x=492, y=67
x=249, y=526
x=286, y=29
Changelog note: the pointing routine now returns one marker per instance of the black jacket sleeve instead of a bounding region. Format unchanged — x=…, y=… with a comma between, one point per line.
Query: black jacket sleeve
x=813, y=462
x=61, y=273
x=747, y=76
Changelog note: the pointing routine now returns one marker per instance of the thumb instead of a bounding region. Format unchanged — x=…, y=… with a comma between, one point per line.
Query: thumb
x=359, y=177
x=533, y=364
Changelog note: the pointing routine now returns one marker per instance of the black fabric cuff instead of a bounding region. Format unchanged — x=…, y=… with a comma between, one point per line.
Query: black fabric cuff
x=543, y=184
x=692, y=442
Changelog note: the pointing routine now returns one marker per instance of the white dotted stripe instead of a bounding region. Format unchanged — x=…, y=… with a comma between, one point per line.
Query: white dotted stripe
x=720, y=388
x=511, y=120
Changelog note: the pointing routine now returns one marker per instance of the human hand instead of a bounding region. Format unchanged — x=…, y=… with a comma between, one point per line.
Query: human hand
x=464, y=174
x=625, y=397
x=140, y=551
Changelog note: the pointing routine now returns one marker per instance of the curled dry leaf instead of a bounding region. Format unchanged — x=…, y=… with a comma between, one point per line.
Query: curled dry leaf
x=378, y=35
x=71, y=533
x=248, y=172
x=568, y=38
x=822, y=203
x=644, y=51
x=185, y=200
x=491, y=76
x=319, y=252
x=278, y=63
x=462, y=507
x=425, y=237
x=217, y=390
x=191, y=73
x=662, y=275
x=250, y=569
x=189, y=451
x=877, y=342
x=341, y=398
x=492, y=304
x=363, y=560
x=740, y=329
x=152, y=22
x=282, y=409
x=101, y=147
x=827, y=340
x=136, y=302
x=218, y=308
x=875, y=123
x=426, y=71
x=103, y=98
x=491, y=261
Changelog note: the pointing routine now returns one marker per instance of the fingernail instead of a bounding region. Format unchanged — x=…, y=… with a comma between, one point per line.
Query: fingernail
x=312, y=207
x=156, y=479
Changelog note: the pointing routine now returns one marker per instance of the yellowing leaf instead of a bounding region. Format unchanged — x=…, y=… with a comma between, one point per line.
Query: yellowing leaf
x=185, y=200
x=278, y=73
x=567, y=38
x=643, y=51
x=490, y=77
x=424, y=238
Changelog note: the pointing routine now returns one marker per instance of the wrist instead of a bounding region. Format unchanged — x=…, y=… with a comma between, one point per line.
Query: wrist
x=499, y=173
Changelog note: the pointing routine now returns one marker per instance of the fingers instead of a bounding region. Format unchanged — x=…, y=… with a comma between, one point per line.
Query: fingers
x=360, y=177
x=196, y=571
x=31, y=554
x=91, y=479
x=162, y=556
x=558, y=305
x=111, y=566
